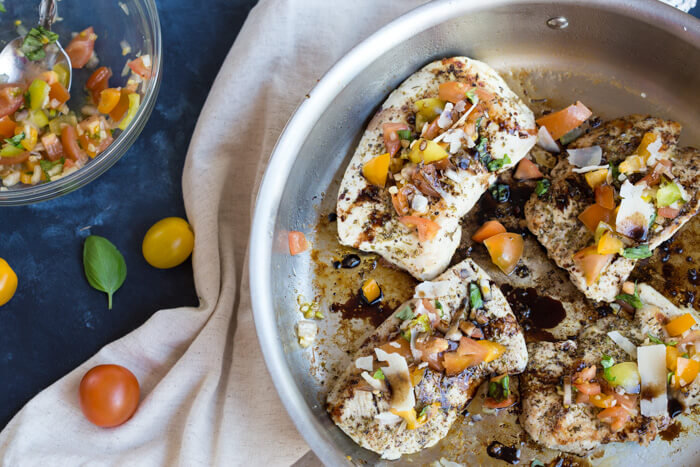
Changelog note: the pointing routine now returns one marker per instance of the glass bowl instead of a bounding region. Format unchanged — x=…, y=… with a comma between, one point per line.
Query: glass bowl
x=117, y=23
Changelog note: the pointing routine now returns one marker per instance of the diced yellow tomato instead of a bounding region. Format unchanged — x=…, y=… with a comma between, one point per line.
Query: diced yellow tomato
x=609, y=244
x=371, y=290
x=505, y=250
x=400, y=346
x=560, y=123
x=643, y=151
x=453, y=91
x=455, y=364
x=26, y=178
x=297, y=242
x=118, y=112
x=409, y=416
x=493, y=350
x=427, y=151
x=679, y=325
x=686, y=371
x=672, y=354
x=596, y=177
x=109, y=98
x=631, y=164
x=595, y=214
x=377, y=169
x=605, y=196
x=416, y=374
x=591, y=263
x=602, y=401
x=30, y=136
x=527, y=170
x=427, y=229
x=488, y=230
x=7, y=127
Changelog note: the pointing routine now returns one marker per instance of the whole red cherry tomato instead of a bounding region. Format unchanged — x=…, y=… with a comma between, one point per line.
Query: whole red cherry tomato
x=109, y=395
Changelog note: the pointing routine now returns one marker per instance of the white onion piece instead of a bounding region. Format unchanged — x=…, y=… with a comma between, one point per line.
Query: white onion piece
x=417, y=353
x=624, y=343
x=402, y=395
x=445, y=118
x=454, y=137
x=590, y=168
x=433, y=289
x=454, y=176
x=653, y=149
x=567, y=391
x=651, y=361
x=546, y=142
x=377, y=384
x=365, y=363
x=585, y=157
x=387, y=418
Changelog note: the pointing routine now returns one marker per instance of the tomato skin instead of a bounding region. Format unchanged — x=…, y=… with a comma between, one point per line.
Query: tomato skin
x=8, y=282
x=168, y=243
x=69, y=140
x=11, y=99
x=80, y=48
x=109, y=395
x=7, y=127
x=98, y=82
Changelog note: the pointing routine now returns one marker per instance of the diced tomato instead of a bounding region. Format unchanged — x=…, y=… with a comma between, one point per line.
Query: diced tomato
x=491, y=403
x=605, y=196
x=432, y=130
x=91, y=143
x=488, y=230
x=455, y=364
x=399, y=346
x=626, y=401
x=505, y=250
x=590, y=389
x=427, y=229
x=7, y=127
x=595, y=214
x=14, y=160
x=681, y=324
x=11, y=99
x=392, y=142
x=400, y=202
x=109, y=98
x=428, y=304
x=582, y=398
x=430, y=350
x=297, y=242
x=122, y=106
x=98, y=82
x=602, y=401
x=53, y=146
x=617, y=417
x=453, y=91
x=139, y=67
x=584, y=375
x=653, y=177
x=81, y=47
x=668, y=213
x=560, y=123
x=687, y=370
x=69, y=140
x=59, y=93
x=591, y=263
x=471, y=347
x=527, y=170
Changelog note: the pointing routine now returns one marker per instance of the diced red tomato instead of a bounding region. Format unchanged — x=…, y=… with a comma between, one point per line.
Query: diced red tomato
x=53, y=146
x=81, y=47
x=14, y=160
x=297, y=242
x=7, y=127
x=427, y=229
x=591, y=263
x=69, y=140
x=617, y=417
x=595, y=214
x=669, y=213
x=453, y=91
x=491, y=403
x=98, y=82
x=605, y=196
x=527, y=170
x=392, y=142
x=400, y=202
x=59, y=93
x=432, y=130
x=589, y=389
x=584, y=375
x=488, y=230
x=11, y=99
x=138, y=67
x=560, y=123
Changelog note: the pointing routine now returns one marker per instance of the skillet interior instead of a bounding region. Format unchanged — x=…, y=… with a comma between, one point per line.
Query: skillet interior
x=631, y=57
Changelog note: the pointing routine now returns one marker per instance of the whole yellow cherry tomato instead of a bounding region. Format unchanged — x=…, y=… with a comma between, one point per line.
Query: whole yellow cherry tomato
x=8, y=282
x=168, y=243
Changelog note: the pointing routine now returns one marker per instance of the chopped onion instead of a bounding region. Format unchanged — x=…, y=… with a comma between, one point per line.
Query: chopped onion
x=585, y=157
x=445, y=118
x=546, y=142
x=624, y=343
x=567, y=391
x=454, y=176
x=395, y=344
x=402, y=397
x=387, y=418
x=377, y=384
x=365, y=363
x=460, y=106
x=455, y=137
x=419, y=203
x=653, y=149
x=434, y=289
x=651, y=361
x=590, y=168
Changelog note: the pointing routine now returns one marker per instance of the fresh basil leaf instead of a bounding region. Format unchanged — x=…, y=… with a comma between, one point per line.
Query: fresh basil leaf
x=475, y=299
x=438, y=305
x=105, y=268
x=542, y=187
x=500, y=192
x=423, y=411
x=571, y=136
x=15, y=140
x=471, y=95
x=379, y=374
x=614, y=171
x=496, y=164
x=34, y=42
x=652, y=219
x=405, y=313
x=46, y=166
x=607, y=362
x=637, y=252
x=405, y=134
x=494, y=390
x=656, y=340
x=669, y=375
x=631, y=300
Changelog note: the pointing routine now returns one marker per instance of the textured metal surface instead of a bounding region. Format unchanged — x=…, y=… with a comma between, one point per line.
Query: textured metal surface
x=618, y=57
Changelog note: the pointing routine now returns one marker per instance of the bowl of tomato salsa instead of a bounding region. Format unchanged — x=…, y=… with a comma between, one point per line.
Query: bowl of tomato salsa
x=57, y=136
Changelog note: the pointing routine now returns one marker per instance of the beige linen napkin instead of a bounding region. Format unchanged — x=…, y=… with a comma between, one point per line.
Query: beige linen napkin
x=206, y=396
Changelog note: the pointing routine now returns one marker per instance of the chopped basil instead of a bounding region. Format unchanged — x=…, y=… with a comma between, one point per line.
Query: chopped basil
x=33, y=45
x=656, y=340
x=405, y=134
x=652, y=219
x=500, y=192
x=632, y=300
x=496, y=164
x=481, y=148
x=405, y=314
x=15, y=140
x=505, y=384
x=607, y=362
x=438, y=305
x=669, y=375
x=542, y=187
x=685, y=355
x=2, y=7
x=46, y=166
x=379, y=374
x=499, y=390
x=475, y=299
x=423, y=411
x=614, y=171
x=471, y=95
x=637, y=252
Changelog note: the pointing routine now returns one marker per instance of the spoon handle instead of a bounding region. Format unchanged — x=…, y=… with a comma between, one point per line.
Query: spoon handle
x=47, y=13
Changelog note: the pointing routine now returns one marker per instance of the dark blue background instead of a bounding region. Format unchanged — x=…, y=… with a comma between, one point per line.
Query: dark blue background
x=56, y=321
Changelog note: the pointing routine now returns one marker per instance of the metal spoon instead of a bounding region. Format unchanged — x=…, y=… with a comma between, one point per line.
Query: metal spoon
x=16, y=68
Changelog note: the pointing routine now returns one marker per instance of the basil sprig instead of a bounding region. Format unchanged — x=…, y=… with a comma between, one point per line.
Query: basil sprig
x=105, y=268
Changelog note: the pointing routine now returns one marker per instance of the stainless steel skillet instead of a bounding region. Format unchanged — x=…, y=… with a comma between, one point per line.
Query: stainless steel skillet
x=619, y=57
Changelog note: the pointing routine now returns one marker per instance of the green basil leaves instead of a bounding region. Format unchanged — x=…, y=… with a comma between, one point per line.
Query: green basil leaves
x=105, y=268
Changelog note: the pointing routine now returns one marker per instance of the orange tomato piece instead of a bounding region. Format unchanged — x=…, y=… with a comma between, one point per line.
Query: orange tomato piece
x=602, y=401
x=109, y=98
x=609, y=244
x=595, y=214
x=471, y=347
x=297, y=242
x=590, y=389
x=69, y=140
x=591, y=263
x=491, y=403
x=584, y=375
x=453, y=91
x=53, y=146
x=527, y=170
x=427, y=229
x=139, y=67
x=58, y=92
x=377, y=169
x=392, y=142
x=505, y=250
x=617, y=417
x=98, y=82
x=678, y=326
x=118, y=112
x=7, y=127
x=672, y=354
x=488, y=230
x=560, y=123
x=605, y=196
x=417, y=375
x=455, y=364
x=399, y=346
x=400, y=202
x=686, y=371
